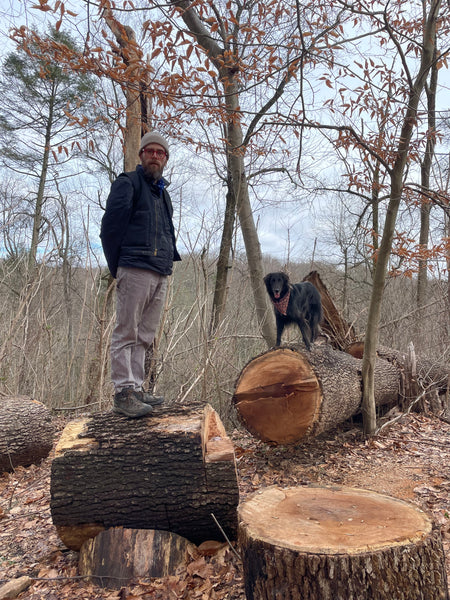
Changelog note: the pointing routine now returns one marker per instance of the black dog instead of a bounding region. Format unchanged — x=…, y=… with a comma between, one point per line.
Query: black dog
x=295, y=303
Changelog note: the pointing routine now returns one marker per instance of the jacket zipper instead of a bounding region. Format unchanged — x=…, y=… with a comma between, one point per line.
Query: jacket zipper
x=155, y=253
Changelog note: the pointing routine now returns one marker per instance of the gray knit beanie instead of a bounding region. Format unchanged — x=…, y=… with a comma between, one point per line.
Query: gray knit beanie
x=152, y=137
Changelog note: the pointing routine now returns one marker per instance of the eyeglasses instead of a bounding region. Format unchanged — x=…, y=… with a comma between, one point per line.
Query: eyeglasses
x=152, y=152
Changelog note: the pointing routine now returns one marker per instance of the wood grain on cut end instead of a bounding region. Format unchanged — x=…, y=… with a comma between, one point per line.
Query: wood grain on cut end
x=339, y=544
x=278, y=396
x=333, y=520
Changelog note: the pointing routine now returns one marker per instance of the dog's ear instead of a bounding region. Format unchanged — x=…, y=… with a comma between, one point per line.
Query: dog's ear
x=266, y=278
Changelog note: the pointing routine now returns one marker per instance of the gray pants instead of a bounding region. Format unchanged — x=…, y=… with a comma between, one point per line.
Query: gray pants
x=140, y=297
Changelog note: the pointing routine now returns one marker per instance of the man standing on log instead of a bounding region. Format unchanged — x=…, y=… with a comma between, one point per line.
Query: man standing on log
x=138, y=240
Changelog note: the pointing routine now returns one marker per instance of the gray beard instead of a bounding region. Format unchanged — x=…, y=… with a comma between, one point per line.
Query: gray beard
x=152, y=173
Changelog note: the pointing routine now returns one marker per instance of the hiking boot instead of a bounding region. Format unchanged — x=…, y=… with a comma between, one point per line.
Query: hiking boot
x=148, y=398
x=127, y=402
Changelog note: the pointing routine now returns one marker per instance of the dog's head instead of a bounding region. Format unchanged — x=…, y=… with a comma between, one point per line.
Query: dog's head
x=277, y=284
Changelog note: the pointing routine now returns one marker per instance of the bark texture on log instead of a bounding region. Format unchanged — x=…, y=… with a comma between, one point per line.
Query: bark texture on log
x=307, y=543
x=419, y=376
x=169, y=471
x=117, y=555
x=430, y=373
x=340, y=332
x=286, y=395
x=26, y=432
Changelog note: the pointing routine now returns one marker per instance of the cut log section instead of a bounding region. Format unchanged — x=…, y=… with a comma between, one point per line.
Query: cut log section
x=286, y=395
x=26, y=432
x=340, y=333
x=117, y=555
x=173, y=471
x=305, y=543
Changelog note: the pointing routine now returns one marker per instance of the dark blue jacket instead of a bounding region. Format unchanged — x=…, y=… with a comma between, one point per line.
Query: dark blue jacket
x=137, y=228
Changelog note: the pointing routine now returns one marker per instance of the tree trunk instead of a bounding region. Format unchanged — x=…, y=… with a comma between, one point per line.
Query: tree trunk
x=340, y=332
x=223, y=266
x=425, y=171
x=98, y=363
x=286, y=395
x=227, y=65
x=418, y=376
x=117, y=555
x=253, y=252
x=170, y=471
x=26, y=432
x=311, y=543
x=40, y=198
x=132, y=57
x=396, y=189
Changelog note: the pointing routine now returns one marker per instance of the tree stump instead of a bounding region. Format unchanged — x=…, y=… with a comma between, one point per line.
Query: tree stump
x=286, y=395
x=313, y=543
x=117, y=555
x=26, y=432
x=171, y=471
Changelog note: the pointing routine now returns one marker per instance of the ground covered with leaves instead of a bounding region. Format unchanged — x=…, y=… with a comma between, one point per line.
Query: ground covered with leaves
x=409, y=459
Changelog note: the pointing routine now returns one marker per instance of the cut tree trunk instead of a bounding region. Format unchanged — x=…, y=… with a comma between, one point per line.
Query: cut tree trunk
x=173, y=470
x=310, y=543
x=339, y=331
x=117, y=555
x=286, y=395
x=26, y=432
x=419, y=376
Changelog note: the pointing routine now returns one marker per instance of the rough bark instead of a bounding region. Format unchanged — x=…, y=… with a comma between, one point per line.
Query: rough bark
x=286, y=395
x=419, y=376
x=338, y=544
x=26, y=432
x=170, y=471
x=131, y=55
x=117, y=555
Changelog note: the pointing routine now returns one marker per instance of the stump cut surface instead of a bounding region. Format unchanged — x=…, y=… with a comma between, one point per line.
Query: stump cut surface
x=329, y=520
x=310, y=543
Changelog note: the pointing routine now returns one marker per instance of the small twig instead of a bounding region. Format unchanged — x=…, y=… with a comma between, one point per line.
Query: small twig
x=225, y=536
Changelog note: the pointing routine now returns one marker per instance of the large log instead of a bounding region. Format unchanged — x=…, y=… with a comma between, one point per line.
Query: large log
x=419, y=376
x=26, y=432
x=430, y=373
x=174, y=470
x=310, y=543
x=286, y=395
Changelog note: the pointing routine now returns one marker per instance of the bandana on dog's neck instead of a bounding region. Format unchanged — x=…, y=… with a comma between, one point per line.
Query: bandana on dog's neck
x=282, y=304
